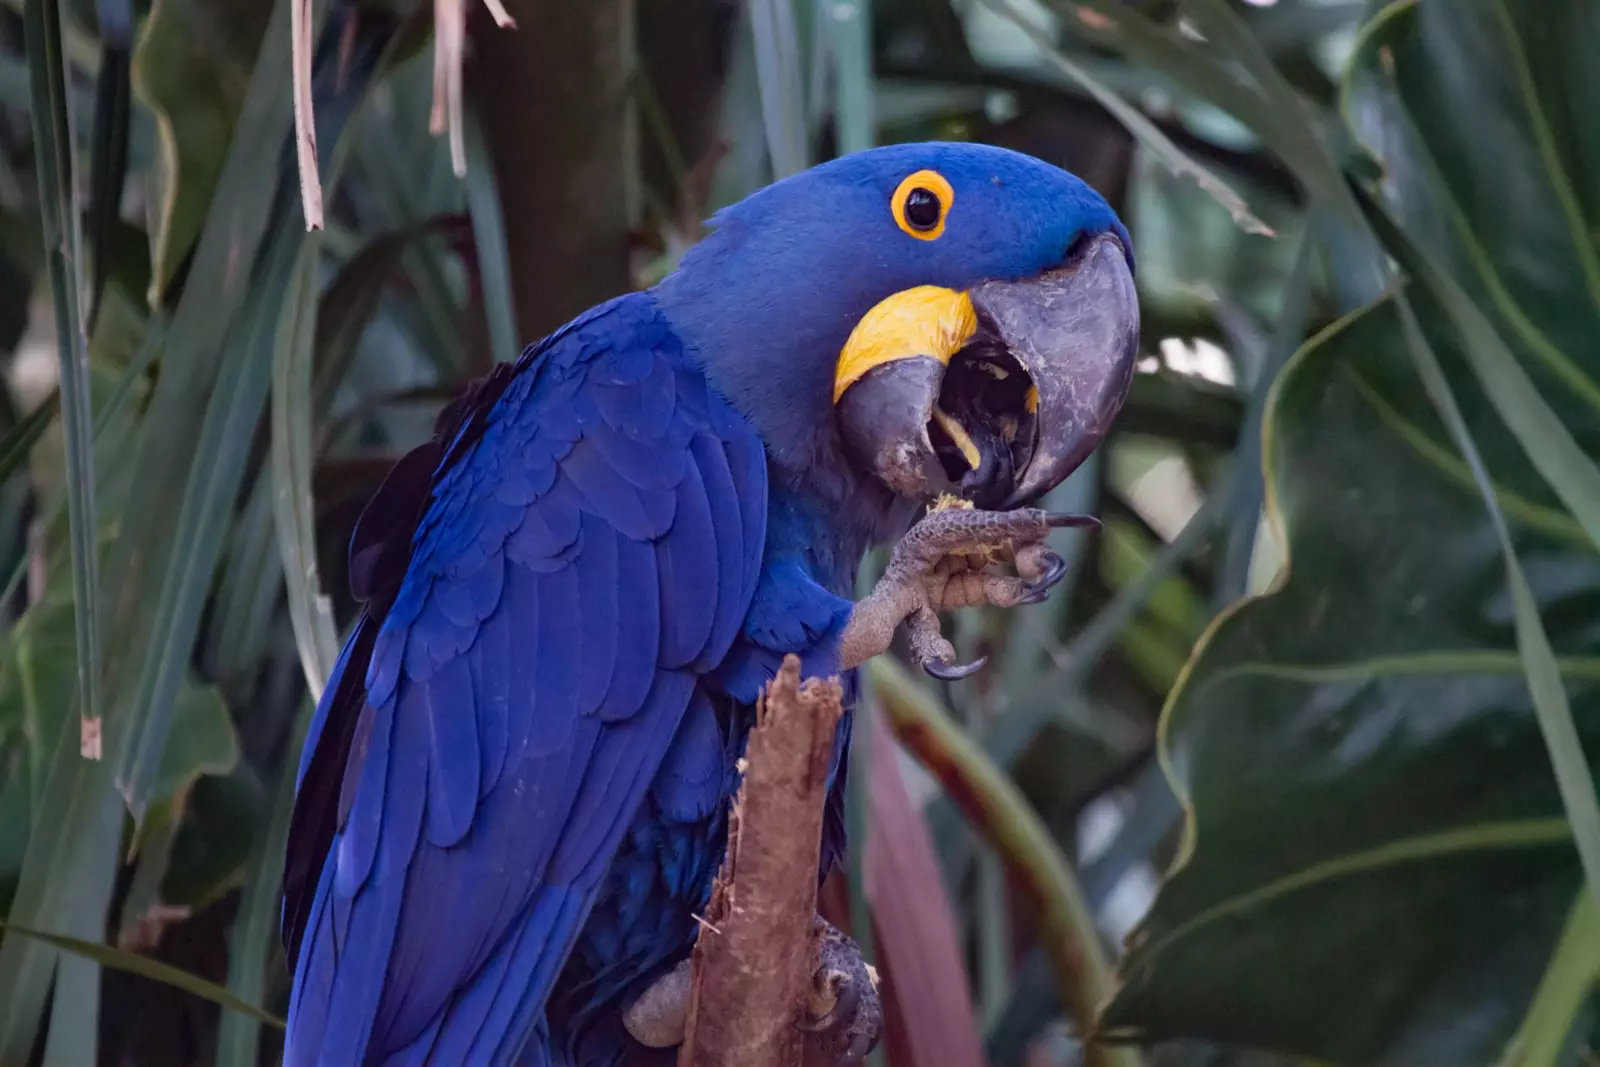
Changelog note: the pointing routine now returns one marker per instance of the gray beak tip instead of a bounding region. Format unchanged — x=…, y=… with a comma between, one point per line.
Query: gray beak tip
x=1076, y=330
x=973, y=426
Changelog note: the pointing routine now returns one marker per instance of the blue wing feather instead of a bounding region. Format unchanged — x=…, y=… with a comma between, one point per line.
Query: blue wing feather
x=688, y=575
x=584, y=549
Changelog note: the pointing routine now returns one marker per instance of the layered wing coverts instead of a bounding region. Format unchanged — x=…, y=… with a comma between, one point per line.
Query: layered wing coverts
x=546, y=584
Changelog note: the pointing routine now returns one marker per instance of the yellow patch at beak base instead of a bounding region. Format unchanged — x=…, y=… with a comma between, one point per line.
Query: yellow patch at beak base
x=923, y=321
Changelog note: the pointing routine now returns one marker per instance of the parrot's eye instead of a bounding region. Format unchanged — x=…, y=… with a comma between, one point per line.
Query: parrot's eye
x=921, y=204
x=922, y=209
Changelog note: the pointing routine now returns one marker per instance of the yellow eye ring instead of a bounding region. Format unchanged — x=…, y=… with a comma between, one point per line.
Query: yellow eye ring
x=921, y=203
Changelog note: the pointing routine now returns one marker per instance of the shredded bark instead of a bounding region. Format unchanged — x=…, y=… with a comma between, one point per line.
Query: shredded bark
x=754, y=958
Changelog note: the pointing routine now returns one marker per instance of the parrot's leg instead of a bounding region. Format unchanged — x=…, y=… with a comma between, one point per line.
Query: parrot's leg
x=940, y=564
x=843, y=1013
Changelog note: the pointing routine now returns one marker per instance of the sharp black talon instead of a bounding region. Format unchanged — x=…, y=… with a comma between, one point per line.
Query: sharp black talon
x=859, y=1047
x=1058, y=520
x=952, y=672
x=1052, y=574
x=844, y=1008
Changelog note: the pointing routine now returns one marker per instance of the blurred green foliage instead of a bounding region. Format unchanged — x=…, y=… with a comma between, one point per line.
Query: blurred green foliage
x=1368, y=238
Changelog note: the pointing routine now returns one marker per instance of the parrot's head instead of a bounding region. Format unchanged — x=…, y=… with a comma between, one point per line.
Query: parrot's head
x=920, y=319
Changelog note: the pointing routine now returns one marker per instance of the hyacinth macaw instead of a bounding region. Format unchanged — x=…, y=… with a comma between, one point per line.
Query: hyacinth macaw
x=513, y=798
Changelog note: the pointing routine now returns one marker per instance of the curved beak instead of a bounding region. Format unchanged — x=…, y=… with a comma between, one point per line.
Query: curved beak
x=997, y=394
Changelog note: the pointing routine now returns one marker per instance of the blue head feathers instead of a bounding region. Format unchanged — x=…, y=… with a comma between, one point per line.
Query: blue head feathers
x=769, y=297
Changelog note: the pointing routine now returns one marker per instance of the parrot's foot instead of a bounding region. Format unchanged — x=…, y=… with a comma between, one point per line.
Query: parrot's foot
x=941, y=564
x=843, y=1015
x=658, y=1017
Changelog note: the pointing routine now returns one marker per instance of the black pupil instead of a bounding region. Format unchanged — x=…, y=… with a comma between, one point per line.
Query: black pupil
x=922, y=209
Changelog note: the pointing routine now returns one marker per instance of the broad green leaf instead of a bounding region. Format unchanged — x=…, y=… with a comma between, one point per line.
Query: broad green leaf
x=1373, y=820
x=203, y=741
x=37, y=674
x=191, y=68
x=222, y=822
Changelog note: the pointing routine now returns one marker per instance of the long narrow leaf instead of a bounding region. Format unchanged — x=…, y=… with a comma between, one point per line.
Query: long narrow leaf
x=1134, y=121
x=52, y=133
x=108, y=163
x=347, y=307
x=221, y=278
x=1275, y=117
x=250, y=944
x=195, y=537
x=204, y=517
x=74, y=1016
x=74, y=1013
x=20, y=439
x=310, y=612
x=1567, y=984
x=64, y=887
x=782, y=97
x=489, y=237
x=111, y=411
x=132, y=963
x=850, y=26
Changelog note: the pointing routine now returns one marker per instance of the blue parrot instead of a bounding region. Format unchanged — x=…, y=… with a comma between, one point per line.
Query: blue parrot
x=513, y=798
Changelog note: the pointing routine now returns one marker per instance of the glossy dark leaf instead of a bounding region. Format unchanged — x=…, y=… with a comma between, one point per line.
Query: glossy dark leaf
x=1374, y=827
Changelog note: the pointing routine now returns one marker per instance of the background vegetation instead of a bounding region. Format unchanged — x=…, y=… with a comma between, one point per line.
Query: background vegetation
x=1347, y=821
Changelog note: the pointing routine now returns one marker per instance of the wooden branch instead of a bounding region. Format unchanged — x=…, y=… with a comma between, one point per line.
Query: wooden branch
x=754, y=958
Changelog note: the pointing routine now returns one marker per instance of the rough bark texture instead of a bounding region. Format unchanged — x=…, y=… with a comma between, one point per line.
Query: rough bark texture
x=753, y=961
